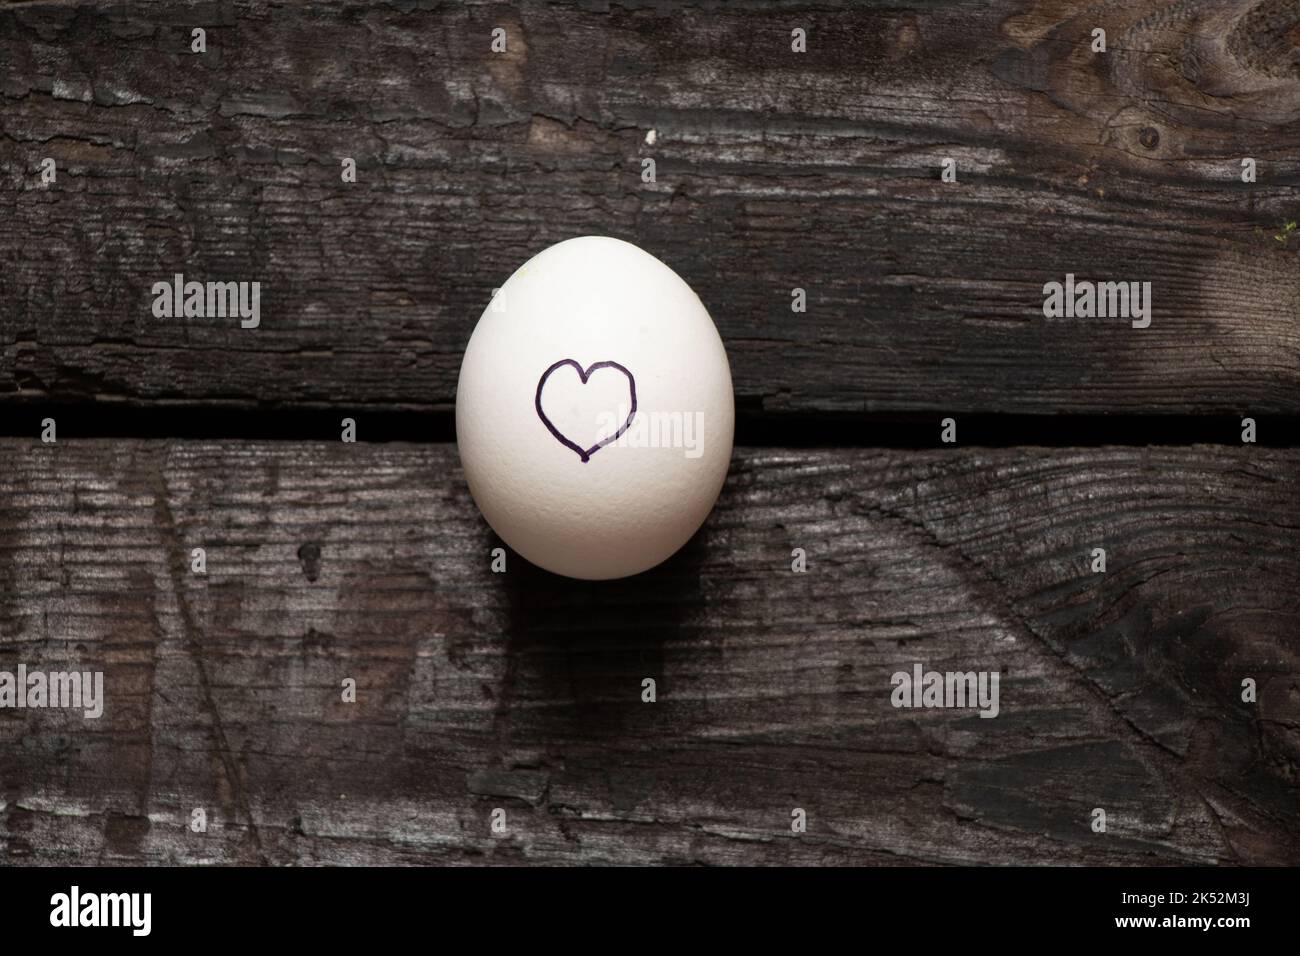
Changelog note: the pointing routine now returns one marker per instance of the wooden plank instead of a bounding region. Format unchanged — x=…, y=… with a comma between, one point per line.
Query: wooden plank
x=522, y=691
x=775, y=171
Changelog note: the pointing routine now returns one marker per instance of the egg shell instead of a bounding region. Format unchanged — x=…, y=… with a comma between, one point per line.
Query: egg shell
x=594, y=410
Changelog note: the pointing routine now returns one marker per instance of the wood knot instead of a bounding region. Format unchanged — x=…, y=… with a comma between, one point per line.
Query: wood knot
x=309, y=555
x=1149, y=137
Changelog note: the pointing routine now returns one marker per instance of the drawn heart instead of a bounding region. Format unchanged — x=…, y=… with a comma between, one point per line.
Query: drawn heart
x=584, y=377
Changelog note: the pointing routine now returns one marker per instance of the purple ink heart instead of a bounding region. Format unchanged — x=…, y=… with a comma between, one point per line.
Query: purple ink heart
x=585, y=453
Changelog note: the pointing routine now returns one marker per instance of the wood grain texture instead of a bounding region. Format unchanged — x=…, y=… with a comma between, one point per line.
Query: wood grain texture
x=775, y=170
x=522, y=690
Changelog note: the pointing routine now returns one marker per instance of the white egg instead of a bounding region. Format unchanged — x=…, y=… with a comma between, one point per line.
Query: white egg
x=594, y=411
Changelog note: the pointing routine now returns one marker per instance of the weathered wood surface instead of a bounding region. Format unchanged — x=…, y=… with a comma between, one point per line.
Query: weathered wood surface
x=775, y=170
x=522, y=691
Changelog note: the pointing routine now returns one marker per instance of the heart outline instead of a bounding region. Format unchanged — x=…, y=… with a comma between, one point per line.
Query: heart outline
x=584, y=453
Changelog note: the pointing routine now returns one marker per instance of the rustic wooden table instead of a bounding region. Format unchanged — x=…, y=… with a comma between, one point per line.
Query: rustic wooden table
x=775, y=170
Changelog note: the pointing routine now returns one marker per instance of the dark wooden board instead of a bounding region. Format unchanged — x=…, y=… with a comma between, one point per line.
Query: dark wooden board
x=775, y=170
x=522, y=691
